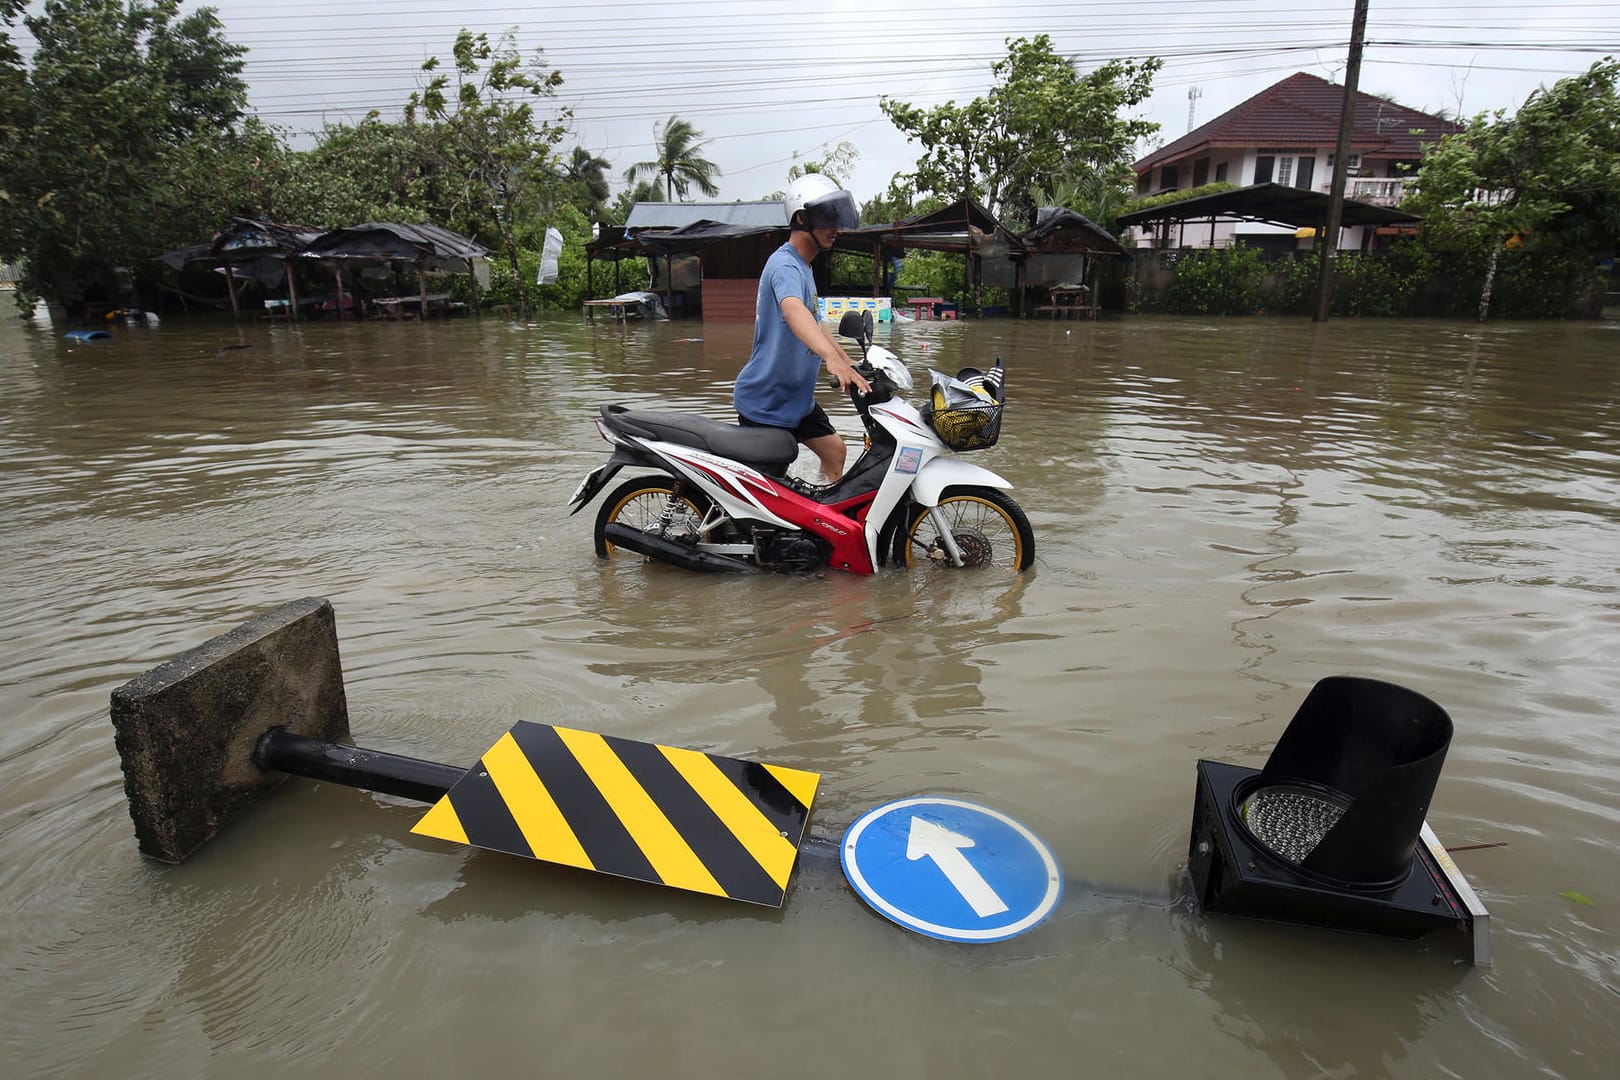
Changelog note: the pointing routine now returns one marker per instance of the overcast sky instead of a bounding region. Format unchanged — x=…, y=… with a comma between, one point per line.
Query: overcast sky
x=768, y=79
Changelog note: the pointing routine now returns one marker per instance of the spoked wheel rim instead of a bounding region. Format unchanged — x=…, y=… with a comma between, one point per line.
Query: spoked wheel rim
x=990, y=531
x=642, y=505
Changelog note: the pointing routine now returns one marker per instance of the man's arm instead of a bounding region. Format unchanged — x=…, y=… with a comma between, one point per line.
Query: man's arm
x=807, y=329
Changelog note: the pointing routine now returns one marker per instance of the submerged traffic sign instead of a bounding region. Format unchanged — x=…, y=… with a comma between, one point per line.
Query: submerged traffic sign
x=674, y=817
x=951, y=869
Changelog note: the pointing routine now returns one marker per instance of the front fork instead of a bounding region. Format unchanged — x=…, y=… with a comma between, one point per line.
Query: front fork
x=943, y=531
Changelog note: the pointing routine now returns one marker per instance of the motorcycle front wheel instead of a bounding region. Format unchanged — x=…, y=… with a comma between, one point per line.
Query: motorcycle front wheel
x=988, y=527
x=644, y=503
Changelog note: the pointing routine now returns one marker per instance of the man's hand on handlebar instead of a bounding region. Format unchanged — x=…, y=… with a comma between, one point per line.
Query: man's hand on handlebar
x=844, y=373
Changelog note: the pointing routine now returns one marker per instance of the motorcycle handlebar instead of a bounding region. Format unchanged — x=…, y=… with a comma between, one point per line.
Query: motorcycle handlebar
x=865, y=370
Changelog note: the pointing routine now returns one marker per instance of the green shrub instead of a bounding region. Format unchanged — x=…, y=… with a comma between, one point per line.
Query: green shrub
x=1217, y=281
x=1390, y=281
x=1290, y=285
x=1147, y=202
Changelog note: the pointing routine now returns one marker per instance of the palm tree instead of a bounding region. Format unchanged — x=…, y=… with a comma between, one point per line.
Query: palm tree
x=590, y=173
x=678, y=143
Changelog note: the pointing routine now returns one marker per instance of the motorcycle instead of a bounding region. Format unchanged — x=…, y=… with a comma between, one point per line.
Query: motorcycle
x=720, y=499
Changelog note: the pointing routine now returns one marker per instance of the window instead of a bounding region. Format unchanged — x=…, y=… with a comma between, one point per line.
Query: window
x=1169, y=177
x=1262, y=168
x=1220, y=173
x=1200, y=172
x=1144, y=183
x=1307, y=172
x=1353, y=164
x=1285, y=171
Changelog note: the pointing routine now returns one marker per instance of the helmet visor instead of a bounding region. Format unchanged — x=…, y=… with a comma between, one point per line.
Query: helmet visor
x=834, y=210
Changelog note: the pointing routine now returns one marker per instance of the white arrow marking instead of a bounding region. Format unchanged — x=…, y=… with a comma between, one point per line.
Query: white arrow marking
x=928, y=840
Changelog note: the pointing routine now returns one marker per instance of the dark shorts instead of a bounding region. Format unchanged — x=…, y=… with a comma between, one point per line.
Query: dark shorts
x=813, y=426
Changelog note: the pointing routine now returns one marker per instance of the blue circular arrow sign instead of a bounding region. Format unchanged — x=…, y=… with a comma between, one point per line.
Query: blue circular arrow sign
x=951, y=869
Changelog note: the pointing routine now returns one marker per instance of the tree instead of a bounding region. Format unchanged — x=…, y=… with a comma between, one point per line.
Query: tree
x=585, y=176
x=494, y=157
x=836, y=163
x=643, y=191
x=124, y=105
x=677, y=145
x=897, y=204
x=371, y=171
x=13, y=122
x=1044, y=123
x=1546, y=178
x=13, y=85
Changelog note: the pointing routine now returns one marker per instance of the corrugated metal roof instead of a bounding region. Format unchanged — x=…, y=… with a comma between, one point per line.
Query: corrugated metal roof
x=1064, y=230
x=1303, y=110
x=667, y=215
x=394, y=240
x=1273, y=203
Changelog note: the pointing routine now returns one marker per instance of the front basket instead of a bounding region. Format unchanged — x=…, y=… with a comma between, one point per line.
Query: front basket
x=967, y=427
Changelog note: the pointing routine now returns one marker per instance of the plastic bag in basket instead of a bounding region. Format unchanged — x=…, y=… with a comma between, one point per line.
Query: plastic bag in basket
x=966, y=410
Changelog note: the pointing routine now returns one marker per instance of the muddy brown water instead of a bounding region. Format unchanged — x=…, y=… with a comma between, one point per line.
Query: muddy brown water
x=1225, y=512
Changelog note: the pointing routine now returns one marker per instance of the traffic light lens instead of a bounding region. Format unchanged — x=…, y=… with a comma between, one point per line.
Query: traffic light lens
x=1290, y=821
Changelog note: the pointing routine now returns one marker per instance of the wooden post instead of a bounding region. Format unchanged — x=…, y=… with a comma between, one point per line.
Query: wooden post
x=421, y=288
x=292, y=288
x=230, y=287
x=1341, y=163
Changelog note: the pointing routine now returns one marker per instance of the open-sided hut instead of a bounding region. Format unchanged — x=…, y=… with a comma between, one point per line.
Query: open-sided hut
x=259, y=250
x=706, y=255
x=963, y=228
x=423, y=249
x=1058, y=252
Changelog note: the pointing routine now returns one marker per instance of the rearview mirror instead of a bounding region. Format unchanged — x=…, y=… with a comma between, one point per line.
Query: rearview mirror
x=852, y=325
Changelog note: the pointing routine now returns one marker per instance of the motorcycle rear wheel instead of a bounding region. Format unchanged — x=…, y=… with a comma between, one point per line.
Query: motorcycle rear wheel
x=641, y=504
x=989, y=529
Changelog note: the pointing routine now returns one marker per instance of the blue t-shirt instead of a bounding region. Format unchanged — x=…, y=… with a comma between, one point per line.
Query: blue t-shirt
x=778, y=384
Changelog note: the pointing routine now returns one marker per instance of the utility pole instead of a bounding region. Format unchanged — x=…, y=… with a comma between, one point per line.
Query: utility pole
x=1328, y=239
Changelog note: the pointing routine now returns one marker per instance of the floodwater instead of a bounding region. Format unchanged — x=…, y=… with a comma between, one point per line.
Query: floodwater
x=1225, y=512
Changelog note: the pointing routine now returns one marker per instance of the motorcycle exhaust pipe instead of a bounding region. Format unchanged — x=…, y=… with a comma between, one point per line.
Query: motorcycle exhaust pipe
x=657, y=547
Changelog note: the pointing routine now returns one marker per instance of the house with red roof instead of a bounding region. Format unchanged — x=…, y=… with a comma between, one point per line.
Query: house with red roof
x=1286, y=134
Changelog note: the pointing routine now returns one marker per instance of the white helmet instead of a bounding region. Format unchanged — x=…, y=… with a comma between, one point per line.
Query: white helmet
x=825, y=205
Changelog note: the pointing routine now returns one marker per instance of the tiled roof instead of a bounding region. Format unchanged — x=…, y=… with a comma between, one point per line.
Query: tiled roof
x=1303, y=110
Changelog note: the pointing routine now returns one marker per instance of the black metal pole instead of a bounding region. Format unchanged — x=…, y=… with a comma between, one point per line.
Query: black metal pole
x=279, y=750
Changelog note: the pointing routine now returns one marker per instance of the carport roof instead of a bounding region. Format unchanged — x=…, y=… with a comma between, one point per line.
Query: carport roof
x=1273, y=204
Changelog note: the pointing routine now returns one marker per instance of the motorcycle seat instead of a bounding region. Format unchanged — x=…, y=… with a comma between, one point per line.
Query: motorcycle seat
x=766, y=448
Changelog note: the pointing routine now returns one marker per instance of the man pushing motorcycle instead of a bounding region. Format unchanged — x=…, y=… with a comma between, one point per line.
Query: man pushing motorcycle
x=777, y=385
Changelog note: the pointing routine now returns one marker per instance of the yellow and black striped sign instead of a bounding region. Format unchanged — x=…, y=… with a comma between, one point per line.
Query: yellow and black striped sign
x=674, y=817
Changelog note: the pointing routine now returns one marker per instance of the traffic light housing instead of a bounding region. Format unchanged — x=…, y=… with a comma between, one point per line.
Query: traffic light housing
x=1331, y=832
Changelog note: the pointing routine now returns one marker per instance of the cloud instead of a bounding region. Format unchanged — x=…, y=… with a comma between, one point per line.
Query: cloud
x=767, y=80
